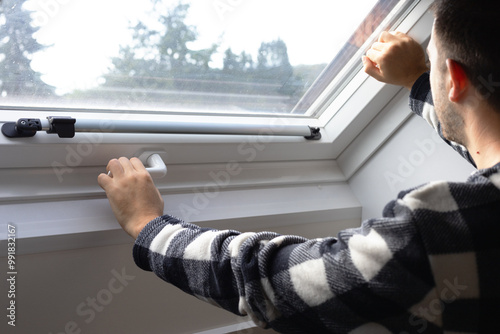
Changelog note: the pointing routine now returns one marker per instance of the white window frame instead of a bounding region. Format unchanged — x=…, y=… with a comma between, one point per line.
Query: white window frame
x=356, y=100
x=314, y=185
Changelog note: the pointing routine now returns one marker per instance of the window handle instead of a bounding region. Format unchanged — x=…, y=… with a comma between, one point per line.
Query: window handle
x=155, y=166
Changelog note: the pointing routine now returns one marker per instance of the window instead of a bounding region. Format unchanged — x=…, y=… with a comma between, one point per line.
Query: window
x=61, y=57
x=217, y=56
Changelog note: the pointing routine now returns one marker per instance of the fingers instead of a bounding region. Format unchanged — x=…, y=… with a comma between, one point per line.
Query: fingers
x=394, y=59
x=390, y=36
x=103, y=180
x=386, y=39
x=379, y=46
x=377, y=51
x=126, y=165
x=133, y=197
x=114, y=168
x=118, y=168
x=371, y=68
x=137, y=165
x=374, y=56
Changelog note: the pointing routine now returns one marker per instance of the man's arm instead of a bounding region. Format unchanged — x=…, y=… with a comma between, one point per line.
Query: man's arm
x=286, y=282
x=400, y=60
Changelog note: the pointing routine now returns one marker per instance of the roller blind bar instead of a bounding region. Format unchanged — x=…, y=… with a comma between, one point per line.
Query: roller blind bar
x=66, y=127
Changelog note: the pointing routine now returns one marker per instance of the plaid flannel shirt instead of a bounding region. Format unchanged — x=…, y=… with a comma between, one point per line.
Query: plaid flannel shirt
x=429, y=265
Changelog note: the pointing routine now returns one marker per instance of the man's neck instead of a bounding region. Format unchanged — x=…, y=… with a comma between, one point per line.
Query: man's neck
x=483, y=132
x=485, y=158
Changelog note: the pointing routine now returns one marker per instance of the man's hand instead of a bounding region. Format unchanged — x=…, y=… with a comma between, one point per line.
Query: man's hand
x=134, y=199
x=395, y=59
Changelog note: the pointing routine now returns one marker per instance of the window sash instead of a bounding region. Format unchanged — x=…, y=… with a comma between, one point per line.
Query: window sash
x=386, y=15
x=340, y=69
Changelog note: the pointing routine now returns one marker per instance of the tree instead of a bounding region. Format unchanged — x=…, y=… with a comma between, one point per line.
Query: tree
x=273, y=54
x=174, y=39
x=230, y=63
x=17, y=47
x=273, y=61
x=234, y=63
x=160, y=59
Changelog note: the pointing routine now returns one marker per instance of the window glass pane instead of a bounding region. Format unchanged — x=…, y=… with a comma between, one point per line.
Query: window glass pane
x=223, y=56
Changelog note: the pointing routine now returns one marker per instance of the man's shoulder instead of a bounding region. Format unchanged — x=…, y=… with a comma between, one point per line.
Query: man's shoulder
x=446, y=196
x=454, y=216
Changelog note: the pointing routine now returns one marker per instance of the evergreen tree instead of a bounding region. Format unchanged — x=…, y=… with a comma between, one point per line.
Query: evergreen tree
x=234, y=63
x=174, y=39
x=273, y=60
x=273, y=65
x=17, y=47
x=161, y=59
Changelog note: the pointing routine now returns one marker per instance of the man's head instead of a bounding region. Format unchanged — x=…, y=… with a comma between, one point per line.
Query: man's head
x=464, y=46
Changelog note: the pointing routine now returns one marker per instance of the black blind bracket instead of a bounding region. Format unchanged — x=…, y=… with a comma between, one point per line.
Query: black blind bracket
x=24, y=127
x=63, y=126
x=28, y=127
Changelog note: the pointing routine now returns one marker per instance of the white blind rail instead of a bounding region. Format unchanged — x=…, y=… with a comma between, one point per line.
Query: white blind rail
x=66, y=127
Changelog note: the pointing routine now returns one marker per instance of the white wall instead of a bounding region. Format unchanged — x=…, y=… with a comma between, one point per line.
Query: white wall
x=412, y=156
x=54, y=292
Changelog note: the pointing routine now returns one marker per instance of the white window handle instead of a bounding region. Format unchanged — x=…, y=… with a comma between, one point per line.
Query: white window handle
x=157, y=168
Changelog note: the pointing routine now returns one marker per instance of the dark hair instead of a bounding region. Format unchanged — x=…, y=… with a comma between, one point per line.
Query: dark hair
x=469, y=32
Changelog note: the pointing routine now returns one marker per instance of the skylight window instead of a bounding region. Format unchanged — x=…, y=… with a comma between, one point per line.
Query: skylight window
x=218, y=56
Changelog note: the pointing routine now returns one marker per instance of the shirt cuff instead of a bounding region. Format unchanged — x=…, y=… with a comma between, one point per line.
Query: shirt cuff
x=141, y=250
x=421, y=88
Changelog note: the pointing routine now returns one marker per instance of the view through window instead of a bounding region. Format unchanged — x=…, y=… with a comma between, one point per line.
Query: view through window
x=229, y=56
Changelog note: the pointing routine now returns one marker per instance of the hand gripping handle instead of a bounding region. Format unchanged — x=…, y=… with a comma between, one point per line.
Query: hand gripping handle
x=157, y=168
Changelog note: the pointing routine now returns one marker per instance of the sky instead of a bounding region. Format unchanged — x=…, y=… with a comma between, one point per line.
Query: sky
x=83, y=35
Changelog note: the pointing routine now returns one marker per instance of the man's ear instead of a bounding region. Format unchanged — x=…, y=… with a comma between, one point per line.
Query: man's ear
x=458, y=80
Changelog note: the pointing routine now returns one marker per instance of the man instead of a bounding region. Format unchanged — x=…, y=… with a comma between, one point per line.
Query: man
x=429, y=265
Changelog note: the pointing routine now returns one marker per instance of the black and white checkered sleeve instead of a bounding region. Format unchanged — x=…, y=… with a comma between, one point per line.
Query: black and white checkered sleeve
x=292, y=284
x=422, y=104
x=428, y=266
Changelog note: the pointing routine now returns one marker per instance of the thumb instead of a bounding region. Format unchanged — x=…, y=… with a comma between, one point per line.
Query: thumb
x=371, y=69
